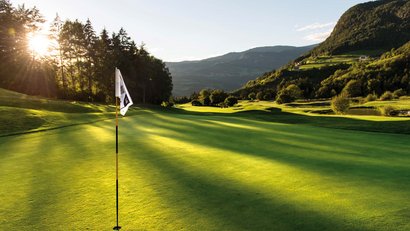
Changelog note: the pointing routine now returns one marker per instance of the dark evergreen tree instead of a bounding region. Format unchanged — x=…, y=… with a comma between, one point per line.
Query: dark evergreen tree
x=81, y=65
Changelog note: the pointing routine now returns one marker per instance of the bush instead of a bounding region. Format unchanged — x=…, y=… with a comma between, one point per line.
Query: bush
x=371, y=97
x=243, y=95
x=386, y=96
x=259, y=96
x=333, y=92
x=180, y=100
x=340, y=104
x=353, y=88
x=283, y=97
x=222, y=105
x=167, y=104
x=374, y=85
x=289, y=94
x=294, y=91
x=388, y=111
x=196, y=103
x=206, y=101
x=203, y=97
x=194, y=95
x=252, y=96
x=399, y=93
x=267, y=96
x=217, y=97
x=323, y=92
x=204, y=93
x=230, y=101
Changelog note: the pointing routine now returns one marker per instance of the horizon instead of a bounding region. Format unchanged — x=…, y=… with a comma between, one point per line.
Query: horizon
x=190, y=31
x=315, y=44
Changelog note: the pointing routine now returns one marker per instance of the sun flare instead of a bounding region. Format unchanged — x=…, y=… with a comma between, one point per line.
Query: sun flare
x=39, y=44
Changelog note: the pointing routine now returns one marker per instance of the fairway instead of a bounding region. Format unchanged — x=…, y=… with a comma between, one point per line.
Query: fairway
x=192, y=116
x=188, y=171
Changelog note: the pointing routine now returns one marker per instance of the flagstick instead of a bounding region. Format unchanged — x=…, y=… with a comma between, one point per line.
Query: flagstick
x=116, y=159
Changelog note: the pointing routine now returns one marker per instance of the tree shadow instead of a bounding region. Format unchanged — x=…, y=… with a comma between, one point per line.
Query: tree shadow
x=22, y=120
x=350, y=158
x=279, y=116
x=236, y=207
x=53, y=187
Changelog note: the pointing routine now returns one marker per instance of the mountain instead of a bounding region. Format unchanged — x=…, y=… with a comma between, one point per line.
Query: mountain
x=230, y=71
x=369, y=44
x=377, y=26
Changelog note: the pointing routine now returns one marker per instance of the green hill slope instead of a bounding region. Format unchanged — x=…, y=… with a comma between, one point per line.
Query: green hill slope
x=388, y=73
x=378, y=25
x=20, y=113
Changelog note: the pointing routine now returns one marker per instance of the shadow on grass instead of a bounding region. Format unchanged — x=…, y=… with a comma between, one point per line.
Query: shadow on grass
x=60, y=190
x=278, y=116
x=355, y=161
x=53, y=182
x=237, y=207
x=17, y=120
x=353, y=157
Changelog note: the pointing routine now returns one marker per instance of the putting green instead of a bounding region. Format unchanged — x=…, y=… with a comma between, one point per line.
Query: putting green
x=193, y=172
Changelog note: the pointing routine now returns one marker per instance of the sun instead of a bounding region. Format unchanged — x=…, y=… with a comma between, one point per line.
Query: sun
x=39, y=45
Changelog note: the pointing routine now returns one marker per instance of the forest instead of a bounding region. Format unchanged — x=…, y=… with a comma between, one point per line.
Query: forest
x=79, y=63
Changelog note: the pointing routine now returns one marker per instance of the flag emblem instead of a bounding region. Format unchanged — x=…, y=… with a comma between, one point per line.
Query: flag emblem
x=122, y=93
x=126, y=101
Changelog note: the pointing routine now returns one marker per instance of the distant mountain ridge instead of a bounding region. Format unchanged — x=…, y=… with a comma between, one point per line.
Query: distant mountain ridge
x=232, y=70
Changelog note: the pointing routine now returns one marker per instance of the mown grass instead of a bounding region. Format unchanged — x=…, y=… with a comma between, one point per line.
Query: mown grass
x=322, y=61
x=402, y=104
x=194, y=170
x=20, y=113
x=269, y=111
x=14, y=99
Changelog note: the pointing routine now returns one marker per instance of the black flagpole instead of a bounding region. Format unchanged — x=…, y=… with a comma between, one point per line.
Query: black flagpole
x=116, y=160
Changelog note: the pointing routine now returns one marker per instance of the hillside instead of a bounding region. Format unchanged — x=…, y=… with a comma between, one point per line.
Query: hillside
x=376, y=26
x=361, y=47
x=230, y=71
x=388, y=73
x=20, y=113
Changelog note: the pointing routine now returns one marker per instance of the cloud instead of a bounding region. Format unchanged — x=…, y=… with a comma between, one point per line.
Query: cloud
x=316, y=26
x=318, y=37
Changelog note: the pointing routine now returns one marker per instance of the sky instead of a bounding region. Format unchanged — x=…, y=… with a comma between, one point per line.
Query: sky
x=176, y=30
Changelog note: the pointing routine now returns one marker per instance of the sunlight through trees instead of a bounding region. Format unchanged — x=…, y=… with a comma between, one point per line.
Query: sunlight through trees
x=72, y=61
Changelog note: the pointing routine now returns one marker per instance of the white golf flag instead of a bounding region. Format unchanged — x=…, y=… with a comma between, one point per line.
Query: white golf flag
x=122, y=92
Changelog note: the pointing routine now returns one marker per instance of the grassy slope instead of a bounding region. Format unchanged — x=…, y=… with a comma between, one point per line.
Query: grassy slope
x=269, y=111
x=403, y=104
x=20, y=113
x=206, y=171
x=322, y=61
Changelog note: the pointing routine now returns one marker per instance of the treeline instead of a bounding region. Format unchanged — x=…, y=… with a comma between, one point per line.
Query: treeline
x=388, y=73
x=286, y=85
x=207, y=97
x=80, y=65
x=391, y=72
